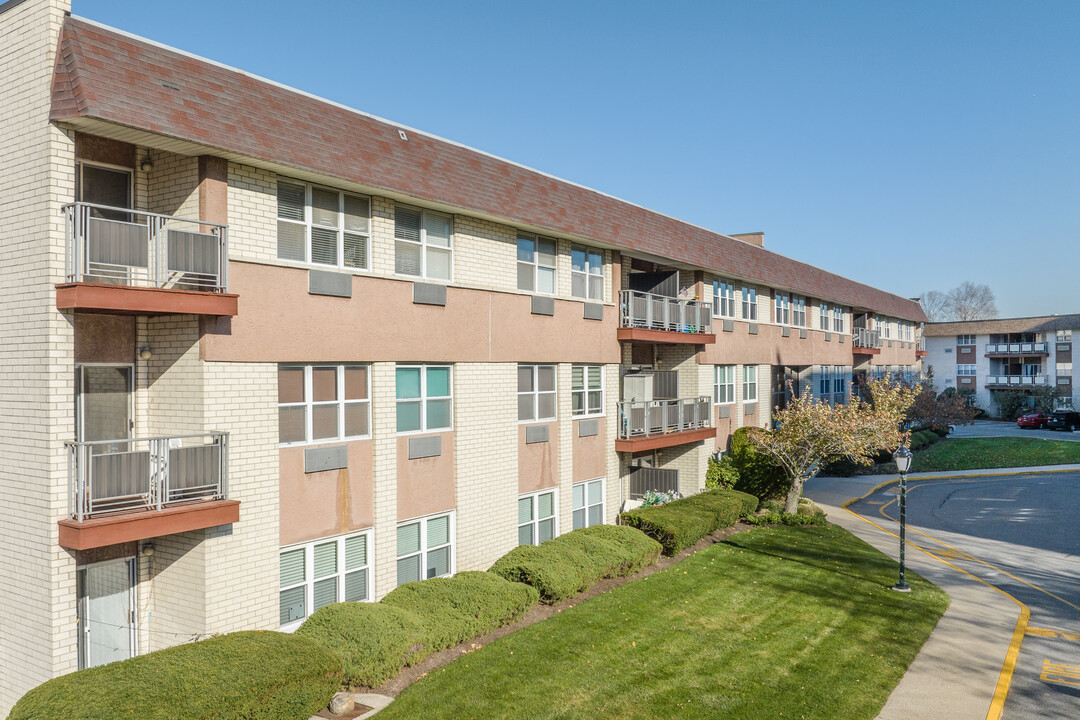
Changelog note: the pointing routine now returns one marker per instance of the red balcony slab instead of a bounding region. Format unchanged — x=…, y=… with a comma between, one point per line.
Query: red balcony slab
x=855, y=350
x=665, y=336
x=655, y=442
x=140, y=525
x=124, y=300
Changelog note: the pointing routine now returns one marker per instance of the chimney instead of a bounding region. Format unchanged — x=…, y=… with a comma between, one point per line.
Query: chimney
x=754, y=238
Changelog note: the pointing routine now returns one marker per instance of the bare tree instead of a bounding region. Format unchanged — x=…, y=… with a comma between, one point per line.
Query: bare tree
x=933, y=304
x=969, y=301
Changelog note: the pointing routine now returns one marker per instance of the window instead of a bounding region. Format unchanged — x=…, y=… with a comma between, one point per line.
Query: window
x=586, y=273
x=824, y=381
x=587, y=390
x=724, y=391
x=536, y=264
x=588, y=503
x=423, y=243
x=783, y=308
x=1064, y=369
x=798, y=312
x=838, y=319
x=749, y=303
x=424, y=398
x=840, y=380
x=319, y=573
x=723, y=299
x=536, y=392
x=965, y=339
x=749, y=383
x=965, y=370
x=425, y=548
x=905, y=331
x=536, y=518
x=882, y=326
x=320, y=403
x=322, y=226
x=823, y=316
x=1064, y=335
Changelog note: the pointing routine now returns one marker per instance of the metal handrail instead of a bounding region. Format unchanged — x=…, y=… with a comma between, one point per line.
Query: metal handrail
x=862, y=337
x=1016, y=380
x=1041, y=348
x=106, y=476
x=661, y=417
x=160, y=251
x=661, y=312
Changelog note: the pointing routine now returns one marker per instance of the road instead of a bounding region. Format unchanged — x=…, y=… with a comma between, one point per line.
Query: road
x=998, y=428
x=1019, y=533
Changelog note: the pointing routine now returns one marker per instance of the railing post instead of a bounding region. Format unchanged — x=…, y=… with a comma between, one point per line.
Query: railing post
x=223, y=440
x=223, y=243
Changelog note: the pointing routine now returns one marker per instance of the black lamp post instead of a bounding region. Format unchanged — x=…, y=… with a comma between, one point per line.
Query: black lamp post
x=902, y=457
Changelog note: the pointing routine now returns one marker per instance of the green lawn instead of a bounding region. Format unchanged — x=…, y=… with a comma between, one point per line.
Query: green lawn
x=975, y=453
x=791, y=620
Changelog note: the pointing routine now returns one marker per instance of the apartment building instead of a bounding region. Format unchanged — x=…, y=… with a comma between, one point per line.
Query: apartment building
x=1031, y=355
x=263, y=352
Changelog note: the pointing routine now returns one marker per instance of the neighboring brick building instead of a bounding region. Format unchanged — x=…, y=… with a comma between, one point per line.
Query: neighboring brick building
x=263, y=352
x=1029, y=355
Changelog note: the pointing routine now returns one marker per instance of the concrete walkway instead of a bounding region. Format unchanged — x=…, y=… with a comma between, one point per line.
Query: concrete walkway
x=956, y=673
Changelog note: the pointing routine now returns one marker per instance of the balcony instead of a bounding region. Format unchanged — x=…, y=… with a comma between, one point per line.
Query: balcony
x=865, y=342
x=920, y=348
x=645, y=479
x=124, y=490
x=654, y=424
x=1016, y=349
x=646, y=317
x=138, y=263
x=1016, y=382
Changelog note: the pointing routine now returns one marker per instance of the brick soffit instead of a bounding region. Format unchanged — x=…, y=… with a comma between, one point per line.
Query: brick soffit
x=107, y=75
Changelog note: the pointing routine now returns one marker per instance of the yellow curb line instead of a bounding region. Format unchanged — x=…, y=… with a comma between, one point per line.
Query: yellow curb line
x=1061, y=634
x=997, y=703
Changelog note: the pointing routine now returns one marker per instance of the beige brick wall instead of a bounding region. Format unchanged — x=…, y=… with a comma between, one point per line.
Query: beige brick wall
x=384, y=448
x=172, y=591
x=37, y=637
x=252, y=196
x=172, y=185
x=170, y=398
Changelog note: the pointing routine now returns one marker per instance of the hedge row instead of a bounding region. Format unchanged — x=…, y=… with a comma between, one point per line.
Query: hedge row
x=376, y=640
x=251, y=675
x=922, y=439
x=680, y=524
x=574, y=562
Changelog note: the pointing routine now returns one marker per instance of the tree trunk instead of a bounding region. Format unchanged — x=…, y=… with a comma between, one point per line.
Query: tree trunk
x=791, y=503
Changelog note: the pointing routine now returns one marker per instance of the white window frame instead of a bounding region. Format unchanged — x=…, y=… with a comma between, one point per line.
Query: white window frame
x=535, y=264
x=585, y=391
x=1063, y=335
x=749, y=303
x=749, y=392
x=798, y=311
x=965, y=370
x=840, y=381
x=309, y=403
x=423, y=243
x=424, y=549
x=534, y=498
x=723, y=299
x=728, y=385
x=782, y=307
x=838, y=319
x=308, y=223
x=425, y=398
x=535, y=393
x=588, y=273
x=965, y=339
x=309, y=571
x=884, y=326
x=585, y=484
x=825, y=384
x=823, y=316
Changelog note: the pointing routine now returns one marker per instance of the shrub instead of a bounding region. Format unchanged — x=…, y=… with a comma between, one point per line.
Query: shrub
x=758, y=475
x=374, y=640
x=575, y=561
x=461, y=607
x=682, y=523
x=251, y=675
x=783, y=518
x=721, y=474
x=843, y=467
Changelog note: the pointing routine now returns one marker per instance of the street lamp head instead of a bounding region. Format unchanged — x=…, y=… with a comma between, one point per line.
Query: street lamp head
x=902, y=457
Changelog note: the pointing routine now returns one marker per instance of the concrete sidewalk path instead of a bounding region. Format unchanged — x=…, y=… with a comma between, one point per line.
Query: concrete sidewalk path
x=956, y=673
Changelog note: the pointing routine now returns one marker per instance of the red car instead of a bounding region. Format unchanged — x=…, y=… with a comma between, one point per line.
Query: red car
x=1032, y=420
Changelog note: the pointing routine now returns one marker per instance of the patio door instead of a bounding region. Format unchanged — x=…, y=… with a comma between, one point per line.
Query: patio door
x=103, y=405
x=106, y=612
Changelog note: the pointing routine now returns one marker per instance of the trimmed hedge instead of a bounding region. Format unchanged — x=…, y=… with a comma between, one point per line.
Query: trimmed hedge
x=566, y=565
x=678, y=525
x=251, y=675
x=376, y=640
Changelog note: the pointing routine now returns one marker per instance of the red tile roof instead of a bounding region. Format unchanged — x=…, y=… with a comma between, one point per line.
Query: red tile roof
x=110, y=76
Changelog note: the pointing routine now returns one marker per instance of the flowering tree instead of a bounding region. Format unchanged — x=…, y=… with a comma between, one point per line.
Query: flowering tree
x=810, y=433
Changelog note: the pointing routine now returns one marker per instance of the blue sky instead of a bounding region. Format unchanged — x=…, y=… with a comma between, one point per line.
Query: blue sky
x=909, y=145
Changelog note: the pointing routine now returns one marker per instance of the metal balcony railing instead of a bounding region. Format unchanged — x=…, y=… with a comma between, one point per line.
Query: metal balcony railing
x=920, y=344
x=119, y=246
x=1016, y=380
x=644, y=479
x=108, y=476
x=861, y=337
x=661, y=417
x=659, y=312
x=1025, y=348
